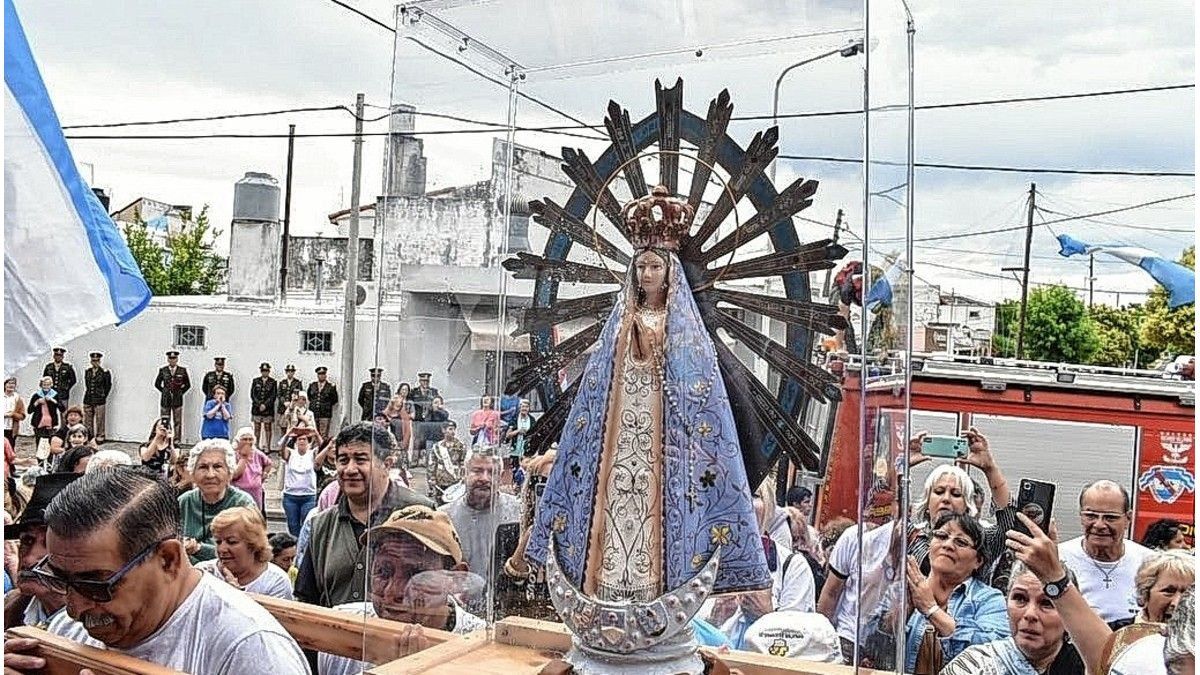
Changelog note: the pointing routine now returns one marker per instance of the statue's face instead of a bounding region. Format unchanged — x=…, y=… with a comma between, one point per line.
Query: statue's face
x=652, y=276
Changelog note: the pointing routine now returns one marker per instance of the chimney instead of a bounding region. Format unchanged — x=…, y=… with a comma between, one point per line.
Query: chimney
x=254, y=238
x=404, y=156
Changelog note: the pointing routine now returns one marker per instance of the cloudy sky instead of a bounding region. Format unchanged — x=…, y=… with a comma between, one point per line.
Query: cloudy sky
x=145, y=60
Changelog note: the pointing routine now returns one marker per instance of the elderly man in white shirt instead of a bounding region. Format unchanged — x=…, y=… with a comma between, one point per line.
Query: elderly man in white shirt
x=1103, y=559
x=116, y=556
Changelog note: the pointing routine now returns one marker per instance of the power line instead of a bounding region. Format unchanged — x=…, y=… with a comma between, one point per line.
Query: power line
x=997, y=254
x=435, y=132
x=963, y=235
x=1006, y=169
x=210, y=118
x=1119, y=210
x=527, y=97
x=1112, y=224
x=1032, y=283
x=364, y=15
x=967, y=104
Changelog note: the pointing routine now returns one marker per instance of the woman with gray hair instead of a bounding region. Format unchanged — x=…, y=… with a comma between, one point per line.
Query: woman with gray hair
x=211, y=463
x=949, y=489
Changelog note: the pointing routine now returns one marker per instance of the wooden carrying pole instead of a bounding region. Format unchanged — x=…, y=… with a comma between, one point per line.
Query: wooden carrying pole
x=67, y=657
x=350, y=635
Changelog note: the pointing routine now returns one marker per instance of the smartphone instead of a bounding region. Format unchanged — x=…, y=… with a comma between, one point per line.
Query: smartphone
x=945, y=447
x=1036, y=500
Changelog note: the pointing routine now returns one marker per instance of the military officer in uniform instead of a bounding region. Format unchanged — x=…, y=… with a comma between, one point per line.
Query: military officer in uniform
x=97, y=385
x=287, y=386
x=63, y=375
x=422, y=396
x=217, y=376
x=422, y=399
x=373, y=395
x=172, y=382
x=322, y=397
x=264, y=390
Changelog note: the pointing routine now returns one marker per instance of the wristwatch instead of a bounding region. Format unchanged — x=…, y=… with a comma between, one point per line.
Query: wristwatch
x=1055, y=589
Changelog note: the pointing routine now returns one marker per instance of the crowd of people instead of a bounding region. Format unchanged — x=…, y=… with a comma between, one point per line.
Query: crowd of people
x=152, y=555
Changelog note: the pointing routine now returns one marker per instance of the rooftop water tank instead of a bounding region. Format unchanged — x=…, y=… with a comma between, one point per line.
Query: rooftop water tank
x=256, y=197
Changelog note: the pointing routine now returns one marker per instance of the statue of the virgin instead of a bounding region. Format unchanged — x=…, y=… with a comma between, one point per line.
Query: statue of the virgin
x=649, y=485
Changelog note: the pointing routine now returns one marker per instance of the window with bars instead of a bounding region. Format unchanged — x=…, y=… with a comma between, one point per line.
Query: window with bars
x=319, y=341
x=189, y=337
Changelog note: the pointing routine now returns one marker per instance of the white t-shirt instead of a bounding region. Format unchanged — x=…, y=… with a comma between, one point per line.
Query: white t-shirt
x=1117, y=601
x=10, y=404
x=273, y=581
x=844, y=560
x=217, y=630
x=477, y=529
x=796, y=589
x=299, y=477
x=1143, y=657
x=332, y=664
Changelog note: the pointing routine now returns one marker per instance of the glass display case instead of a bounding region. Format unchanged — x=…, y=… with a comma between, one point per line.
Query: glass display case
x=544, y=163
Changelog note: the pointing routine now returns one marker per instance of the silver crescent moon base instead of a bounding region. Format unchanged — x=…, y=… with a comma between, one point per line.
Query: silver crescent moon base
x=628, y=638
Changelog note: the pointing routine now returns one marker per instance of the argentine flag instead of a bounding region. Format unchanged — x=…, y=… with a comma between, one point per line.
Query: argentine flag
x=1179, y=281
x=67, y=271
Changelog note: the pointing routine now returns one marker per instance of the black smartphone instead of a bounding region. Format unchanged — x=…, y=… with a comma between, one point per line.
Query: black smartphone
x=1035, y=499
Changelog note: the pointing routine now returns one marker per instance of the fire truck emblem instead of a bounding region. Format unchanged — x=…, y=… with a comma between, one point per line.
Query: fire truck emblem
x=1175, y=445
x=1167, y=483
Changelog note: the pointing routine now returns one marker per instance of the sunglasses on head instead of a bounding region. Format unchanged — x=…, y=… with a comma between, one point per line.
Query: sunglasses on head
x=94, y=590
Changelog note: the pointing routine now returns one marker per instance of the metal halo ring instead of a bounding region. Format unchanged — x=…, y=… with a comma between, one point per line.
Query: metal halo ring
x=648, y=153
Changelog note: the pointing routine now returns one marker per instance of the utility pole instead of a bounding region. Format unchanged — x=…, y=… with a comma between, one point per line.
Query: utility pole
x=837, y=230
x=1025, y=271
x=1091, y=279
x=351, y=299
x=287, y=214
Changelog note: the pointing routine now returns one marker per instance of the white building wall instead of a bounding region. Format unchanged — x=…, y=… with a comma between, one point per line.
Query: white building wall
x=976, y=317
x=425, y=339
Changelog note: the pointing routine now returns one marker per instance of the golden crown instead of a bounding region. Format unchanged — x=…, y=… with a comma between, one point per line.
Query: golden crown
x=657, y=220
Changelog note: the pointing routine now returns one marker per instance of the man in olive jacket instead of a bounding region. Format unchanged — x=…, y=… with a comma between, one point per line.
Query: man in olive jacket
x=333, y=571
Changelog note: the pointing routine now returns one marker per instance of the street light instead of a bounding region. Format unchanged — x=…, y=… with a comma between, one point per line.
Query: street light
x=853, y=47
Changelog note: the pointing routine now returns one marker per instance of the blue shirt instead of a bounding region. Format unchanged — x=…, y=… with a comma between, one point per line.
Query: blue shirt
x=709, y=635
x=980, y=615
x=215, y=427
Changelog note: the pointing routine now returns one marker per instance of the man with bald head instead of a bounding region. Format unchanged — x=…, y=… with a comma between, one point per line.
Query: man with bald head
x=1104, y=560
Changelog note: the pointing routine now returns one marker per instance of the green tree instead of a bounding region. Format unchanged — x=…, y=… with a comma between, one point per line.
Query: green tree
x=1058, y=328
x=186, y=265
x=148, y=254
x=1004, y=337
x=1117, y=334
x=1169, y=330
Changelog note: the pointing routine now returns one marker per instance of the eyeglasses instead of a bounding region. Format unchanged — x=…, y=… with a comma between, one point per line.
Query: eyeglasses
x=1093, y=516
x=96, y=591
x=961, y=542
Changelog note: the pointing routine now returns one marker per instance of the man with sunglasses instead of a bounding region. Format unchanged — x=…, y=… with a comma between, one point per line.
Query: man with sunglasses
x=31, y=603
x=1103, y=559
x=117, y=561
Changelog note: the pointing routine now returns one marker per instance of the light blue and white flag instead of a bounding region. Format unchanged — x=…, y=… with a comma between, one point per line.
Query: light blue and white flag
x=67, y=271
x=1179, y=281
x=880, y=294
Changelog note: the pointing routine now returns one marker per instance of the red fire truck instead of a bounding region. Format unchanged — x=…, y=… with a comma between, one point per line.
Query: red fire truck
x=1061, y=423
